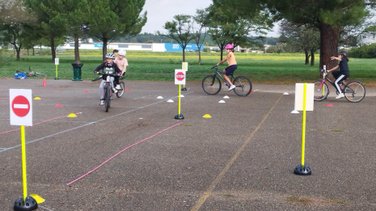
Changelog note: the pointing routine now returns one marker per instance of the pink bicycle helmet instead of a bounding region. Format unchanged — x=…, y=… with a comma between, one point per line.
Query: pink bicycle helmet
x=229, y=46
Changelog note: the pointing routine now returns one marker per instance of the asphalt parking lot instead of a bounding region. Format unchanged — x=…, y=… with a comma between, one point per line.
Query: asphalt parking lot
x=138, y=157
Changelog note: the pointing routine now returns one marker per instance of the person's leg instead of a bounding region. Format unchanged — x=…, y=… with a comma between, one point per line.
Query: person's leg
x=101, y=91
x=229, y=71
x=337, y=82
x=228, y=80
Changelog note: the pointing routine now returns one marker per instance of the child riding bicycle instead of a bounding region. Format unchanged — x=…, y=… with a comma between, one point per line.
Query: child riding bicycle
x=122, y=63
x=342, y=73
x=108, y=63
x=232, y=65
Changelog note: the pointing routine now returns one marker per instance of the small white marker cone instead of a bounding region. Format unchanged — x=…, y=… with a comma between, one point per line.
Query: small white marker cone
x=170, y=101
x=226, y=97
x=285, y=93
x=181, y=95
x=295, y=112
x=159, y=97
x=221, y=101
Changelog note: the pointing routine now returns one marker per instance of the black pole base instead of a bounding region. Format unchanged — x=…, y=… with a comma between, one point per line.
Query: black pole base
x=302, y=170
x=28, y=204
x=179, y=116
x=56, y=78
x=184, y=89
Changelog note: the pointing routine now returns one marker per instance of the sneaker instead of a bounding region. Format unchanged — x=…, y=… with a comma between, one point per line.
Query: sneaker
x=101, y=102
x=340, y=96
x=114, y=90
x=231, y=87
x=118, y=86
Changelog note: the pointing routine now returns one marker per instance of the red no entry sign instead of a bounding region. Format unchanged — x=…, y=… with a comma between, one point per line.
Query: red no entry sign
x=20, y=106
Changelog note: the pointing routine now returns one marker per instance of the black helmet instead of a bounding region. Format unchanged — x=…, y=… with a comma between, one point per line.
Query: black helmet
x=343, y=53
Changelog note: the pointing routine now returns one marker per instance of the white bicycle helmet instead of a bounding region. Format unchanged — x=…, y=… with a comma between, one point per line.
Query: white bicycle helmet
x=110, y=56
x=122, y=53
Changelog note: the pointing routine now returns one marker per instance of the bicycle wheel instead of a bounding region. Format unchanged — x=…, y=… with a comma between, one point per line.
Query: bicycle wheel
x=321, y=90
x=354, y=92
x=107, y=97
x=120, y=91
x=211, y=85
x=243, y=86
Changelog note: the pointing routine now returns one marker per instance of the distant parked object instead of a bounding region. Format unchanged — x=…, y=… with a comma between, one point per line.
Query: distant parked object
x=154, y=47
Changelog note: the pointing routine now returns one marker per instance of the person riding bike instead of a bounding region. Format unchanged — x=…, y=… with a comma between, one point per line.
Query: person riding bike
x=122, y=63
x=342, y=73
x=108, y=63
x=232, y=65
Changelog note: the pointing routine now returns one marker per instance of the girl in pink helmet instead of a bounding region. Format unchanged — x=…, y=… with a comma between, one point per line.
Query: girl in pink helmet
x=231, y=67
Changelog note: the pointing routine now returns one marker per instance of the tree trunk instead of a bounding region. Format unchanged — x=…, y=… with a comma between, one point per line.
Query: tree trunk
x=312, y=57
x=306, y=56
x=76, y=50
x=18, y=52
x=199, y=55
x=329, y=37
x=184, y=53
x=53, y=49
x=104, y=48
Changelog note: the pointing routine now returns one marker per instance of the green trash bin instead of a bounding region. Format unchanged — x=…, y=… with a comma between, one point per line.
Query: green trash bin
x=77, y=71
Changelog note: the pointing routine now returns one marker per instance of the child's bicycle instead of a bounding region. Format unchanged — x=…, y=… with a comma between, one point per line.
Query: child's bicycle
x=212, y=84
x=120, y=91
x=354, y=91
x=109, y=73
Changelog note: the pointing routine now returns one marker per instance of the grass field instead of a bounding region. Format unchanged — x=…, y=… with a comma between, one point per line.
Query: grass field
x=263, y=68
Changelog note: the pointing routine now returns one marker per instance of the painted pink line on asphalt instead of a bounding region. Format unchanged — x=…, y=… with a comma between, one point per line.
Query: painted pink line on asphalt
x=121, y=151
x=44, y=121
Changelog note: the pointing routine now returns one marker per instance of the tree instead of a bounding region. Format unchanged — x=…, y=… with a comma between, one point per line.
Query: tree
x=180, y=30
x=226, y=26
x=51, y=15
x=200, y=32
x=330, y=17
x=109, y=19
x=14, y=24
x=302, y=38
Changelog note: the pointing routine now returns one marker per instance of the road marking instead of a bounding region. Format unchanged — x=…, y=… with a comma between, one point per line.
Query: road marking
x=78, y=127
x=121, y=151
x=232, y=160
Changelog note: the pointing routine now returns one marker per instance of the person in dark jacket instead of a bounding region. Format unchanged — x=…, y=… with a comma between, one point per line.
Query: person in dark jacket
x=340, y=71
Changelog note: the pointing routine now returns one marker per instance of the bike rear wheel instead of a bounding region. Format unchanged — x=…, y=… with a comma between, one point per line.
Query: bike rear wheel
x=107, y=97
x=321, y=90
x=211, y=85
x=243, y=86
x=354, y=91
x=120, y=91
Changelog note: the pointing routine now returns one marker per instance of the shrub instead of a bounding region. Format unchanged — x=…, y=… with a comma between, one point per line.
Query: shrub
x=365, y=51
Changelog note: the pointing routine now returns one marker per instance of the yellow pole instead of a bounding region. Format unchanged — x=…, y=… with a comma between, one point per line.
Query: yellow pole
x=304, y=123
x=179, y=93
x=23, y=149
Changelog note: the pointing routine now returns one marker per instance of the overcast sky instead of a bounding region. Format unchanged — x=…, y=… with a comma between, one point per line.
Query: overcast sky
x=161, y=11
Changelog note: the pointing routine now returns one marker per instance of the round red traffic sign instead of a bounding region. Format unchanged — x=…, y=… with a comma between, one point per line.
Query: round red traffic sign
x=20, y=106
x=180, y=76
